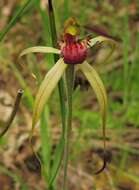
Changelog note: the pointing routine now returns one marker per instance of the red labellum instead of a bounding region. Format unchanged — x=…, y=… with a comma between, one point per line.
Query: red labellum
x=73, y=52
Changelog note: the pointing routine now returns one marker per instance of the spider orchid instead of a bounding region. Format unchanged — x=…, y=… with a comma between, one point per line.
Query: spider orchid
x=73, y=53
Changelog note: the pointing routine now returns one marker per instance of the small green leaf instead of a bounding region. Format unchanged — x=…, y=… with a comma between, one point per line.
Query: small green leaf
x=46, y=88
x=39, y=49
x=99, y=90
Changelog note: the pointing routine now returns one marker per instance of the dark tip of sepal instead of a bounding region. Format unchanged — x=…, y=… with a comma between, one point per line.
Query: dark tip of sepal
x=103, y=166
x=105, y=161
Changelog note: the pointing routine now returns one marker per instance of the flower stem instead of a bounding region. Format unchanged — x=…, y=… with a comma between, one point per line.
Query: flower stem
x=60, y=86
x=56, y=57
x=67, y=132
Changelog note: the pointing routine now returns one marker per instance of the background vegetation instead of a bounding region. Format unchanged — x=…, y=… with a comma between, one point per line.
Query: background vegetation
x=19, y=169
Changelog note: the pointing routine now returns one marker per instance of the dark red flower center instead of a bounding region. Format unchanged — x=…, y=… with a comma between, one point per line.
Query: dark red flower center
x=73, y=52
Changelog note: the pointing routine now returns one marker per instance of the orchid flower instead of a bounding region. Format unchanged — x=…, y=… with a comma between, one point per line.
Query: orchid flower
x=73, y=53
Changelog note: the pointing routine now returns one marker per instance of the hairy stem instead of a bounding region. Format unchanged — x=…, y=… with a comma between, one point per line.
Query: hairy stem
x=67, y=132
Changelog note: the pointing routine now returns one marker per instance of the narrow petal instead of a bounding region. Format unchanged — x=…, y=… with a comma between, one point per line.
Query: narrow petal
x=99, y=89
x=46, y=88
x=102, y=39
x=39, y=49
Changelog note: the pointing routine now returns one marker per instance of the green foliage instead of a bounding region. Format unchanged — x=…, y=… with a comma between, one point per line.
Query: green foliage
x=15, y=177
x=15, y=19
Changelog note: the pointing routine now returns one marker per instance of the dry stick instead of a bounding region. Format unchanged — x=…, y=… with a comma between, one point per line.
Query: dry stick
x=13, y=114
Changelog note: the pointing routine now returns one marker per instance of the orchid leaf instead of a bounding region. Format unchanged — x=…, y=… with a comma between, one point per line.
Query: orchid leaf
x=102, y=39
x=39, y=49
x=99, y=89
x=57, y=160
x=46, y=88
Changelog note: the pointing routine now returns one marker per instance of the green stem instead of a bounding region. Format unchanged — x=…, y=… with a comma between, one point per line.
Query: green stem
x=66, y=10
x=68, y=128
x=126, y=45
x=56, y=57
x=52, y=23
x=60, y=88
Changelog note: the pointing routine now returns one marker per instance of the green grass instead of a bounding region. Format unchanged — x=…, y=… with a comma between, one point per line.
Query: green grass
x=15, y=177
x=126, y=48
x=15, y=18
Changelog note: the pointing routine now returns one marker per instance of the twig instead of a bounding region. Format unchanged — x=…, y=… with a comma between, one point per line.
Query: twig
x=13, y=114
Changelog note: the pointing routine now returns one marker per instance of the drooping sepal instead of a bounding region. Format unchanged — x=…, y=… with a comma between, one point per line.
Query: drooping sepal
x=99, y=89
x=39, y=49
x=101, y=39
x=46, y=88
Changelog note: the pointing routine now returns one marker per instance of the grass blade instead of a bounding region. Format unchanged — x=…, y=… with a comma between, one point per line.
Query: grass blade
x=48, y=21
x=54, y=42
x=66, y=11
x=57, y=161
x=27, y=91
x=14, y=20
x=126, y=46
x=46, y=33
x=16, y=178
x=46, y=143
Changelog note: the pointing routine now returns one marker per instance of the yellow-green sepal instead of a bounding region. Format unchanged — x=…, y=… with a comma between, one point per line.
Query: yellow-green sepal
x=46, y=88
x=99, y=89
x=102, y=39
x=39, y=49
